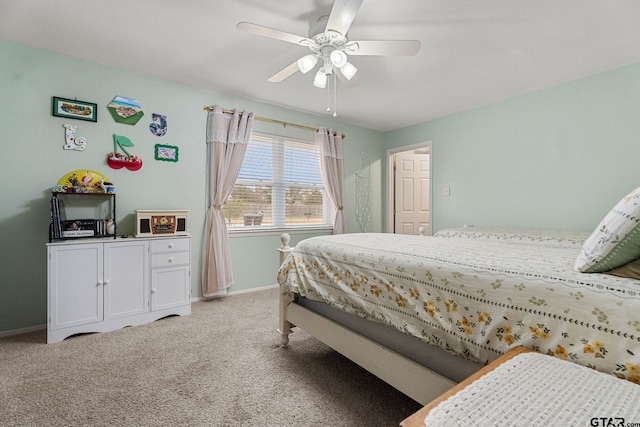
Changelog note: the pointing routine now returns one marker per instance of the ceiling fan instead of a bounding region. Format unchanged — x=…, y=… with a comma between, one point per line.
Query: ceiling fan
x=328, y=43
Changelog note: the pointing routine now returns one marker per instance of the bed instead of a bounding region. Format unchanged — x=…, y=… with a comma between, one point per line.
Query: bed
x=423, y=313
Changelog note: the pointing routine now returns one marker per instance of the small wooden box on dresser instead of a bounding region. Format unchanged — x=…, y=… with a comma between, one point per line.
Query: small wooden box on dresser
x=98, y=285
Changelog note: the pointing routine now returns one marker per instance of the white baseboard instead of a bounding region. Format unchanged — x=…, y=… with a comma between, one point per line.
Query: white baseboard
x=39, y=327
x=22, y=330
x=243, y=291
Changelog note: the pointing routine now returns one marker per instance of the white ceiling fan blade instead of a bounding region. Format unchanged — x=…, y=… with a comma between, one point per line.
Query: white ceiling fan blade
x=272, y=33
x=284, y=73
x=355, y=81
x=386, y=47
x=342, y=15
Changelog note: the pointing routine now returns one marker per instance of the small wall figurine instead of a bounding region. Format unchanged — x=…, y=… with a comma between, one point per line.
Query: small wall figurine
x=71, y=141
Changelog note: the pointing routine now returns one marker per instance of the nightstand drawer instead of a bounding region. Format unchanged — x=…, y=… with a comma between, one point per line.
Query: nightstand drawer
x=169, y=245
x=169, y=259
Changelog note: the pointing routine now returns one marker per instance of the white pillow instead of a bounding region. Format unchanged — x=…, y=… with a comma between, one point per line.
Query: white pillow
x=616, y=241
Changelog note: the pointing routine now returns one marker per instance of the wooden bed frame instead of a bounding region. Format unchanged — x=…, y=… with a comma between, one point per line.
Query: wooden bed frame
x=420, y=383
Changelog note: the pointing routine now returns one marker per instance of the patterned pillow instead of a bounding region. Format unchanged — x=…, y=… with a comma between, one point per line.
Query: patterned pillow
x=616, y=241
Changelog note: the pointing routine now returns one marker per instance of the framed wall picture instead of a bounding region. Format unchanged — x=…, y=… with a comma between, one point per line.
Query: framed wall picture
x=74, y=109
x=167, y=153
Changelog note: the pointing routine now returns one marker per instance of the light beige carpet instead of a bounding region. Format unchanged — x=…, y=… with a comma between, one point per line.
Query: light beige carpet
x=220, y=366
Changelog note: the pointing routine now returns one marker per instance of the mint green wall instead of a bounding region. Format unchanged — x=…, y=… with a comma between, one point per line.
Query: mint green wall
x=33, y=160
x=558, y=158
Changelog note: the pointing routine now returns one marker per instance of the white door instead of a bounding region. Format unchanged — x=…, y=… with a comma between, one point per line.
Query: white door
x=412, y=192
x=75, y=285
x=126, y=278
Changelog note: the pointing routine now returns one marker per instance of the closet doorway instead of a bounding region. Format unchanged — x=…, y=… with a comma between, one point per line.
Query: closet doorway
x=409, y=189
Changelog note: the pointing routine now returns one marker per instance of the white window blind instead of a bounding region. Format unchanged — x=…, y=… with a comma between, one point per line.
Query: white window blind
x=279, y=185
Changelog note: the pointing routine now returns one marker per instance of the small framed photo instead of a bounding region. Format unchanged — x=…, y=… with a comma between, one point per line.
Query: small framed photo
x=167, y=153
x=74, y=109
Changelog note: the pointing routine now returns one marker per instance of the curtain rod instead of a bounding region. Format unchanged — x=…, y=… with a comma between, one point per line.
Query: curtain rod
x=268, y=119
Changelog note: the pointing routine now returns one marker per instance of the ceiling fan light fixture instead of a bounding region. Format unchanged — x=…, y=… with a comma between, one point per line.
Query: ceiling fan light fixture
x=338, y=58
x=307, y=62
x=320, y=80
x=348, y=70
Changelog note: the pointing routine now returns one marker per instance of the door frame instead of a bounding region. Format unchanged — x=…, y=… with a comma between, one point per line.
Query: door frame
x=391, y=178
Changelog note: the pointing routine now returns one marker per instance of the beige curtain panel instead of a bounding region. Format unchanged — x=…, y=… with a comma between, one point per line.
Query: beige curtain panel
x=228, y=137
x=330, y=143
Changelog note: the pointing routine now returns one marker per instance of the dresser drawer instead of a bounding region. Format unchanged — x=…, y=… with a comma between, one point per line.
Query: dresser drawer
x=169, y=245
x=169, y=259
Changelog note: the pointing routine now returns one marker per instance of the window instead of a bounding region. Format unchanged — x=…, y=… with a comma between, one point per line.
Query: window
x=280, y=185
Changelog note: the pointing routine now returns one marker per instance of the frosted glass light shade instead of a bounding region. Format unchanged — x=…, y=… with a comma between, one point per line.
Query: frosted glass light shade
x=320, y=80
x=338, y=58
x=348, y=70
x=307, y=62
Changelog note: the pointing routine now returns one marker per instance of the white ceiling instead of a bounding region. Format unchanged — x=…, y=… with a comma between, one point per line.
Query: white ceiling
x=474, y=52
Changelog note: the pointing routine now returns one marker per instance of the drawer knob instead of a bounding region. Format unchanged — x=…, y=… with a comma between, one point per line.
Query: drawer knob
x=170, y=259
x=170, y=245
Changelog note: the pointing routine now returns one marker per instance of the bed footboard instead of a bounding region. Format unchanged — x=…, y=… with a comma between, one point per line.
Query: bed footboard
x=411, y=378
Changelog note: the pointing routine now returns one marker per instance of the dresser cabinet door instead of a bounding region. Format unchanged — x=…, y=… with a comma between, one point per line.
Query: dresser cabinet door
x=126, y=278
x=169, y=287
x=75, y=285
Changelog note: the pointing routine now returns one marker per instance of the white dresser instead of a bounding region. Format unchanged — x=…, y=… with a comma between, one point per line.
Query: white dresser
x=100, y=285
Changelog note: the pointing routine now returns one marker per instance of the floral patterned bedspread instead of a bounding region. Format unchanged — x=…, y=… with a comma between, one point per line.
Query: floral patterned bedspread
x=477, y=292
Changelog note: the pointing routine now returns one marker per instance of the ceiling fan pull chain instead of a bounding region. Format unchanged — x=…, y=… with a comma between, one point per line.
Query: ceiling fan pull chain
x=328, y=98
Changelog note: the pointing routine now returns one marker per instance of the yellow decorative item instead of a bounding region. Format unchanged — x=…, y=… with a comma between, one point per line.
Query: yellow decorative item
x=82, y=181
